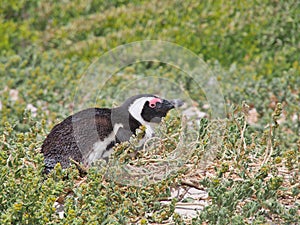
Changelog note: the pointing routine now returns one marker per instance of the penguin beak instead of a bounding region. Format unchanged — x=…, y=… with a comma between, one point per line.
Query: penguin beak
x=167, y=105
x=177, y=103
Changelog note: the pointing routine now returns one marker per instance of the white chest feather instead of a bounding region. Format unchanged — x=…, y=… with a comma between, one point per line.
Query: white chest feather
x=99, y=149
x=149, y=133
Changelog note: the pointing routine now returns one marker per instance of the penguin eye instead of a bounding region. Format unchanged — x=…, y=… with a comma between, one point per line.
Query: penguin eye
x=152, y=105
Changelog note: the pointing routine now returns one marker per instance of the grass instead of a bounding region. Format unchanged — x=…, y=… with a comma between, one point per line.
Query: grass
x=251, y=47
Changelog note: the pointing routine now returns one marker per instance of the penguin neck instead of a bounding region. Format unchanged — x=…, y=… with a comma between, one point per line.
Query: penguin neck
x=119, y=115
x=133, y=123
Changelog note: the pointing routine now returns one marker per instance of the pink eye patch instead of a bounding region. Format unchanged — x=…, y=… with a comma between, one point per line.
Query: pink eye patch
x=152, y=102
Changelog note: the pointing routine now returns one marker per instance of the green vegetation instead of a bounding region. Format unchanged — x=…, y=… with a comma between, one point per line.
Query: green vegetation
x=253, y=49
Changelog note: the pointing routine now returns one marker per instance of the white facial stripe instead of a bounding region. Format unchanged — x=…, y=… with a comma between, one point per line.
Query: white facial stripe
x=135, y=109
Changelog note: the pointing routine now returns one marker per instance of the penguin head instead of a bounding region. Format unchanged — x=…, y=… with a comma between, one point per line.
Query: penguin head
x=150, y=108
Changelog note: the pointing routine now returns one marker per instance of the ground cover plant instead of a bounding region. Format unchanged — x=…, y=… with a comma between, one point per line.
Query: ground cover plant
x=252, y=48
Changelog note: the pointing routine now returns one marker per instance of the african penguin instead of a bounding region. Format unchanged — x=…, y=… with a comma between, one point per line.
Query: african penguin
x=91, y=134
